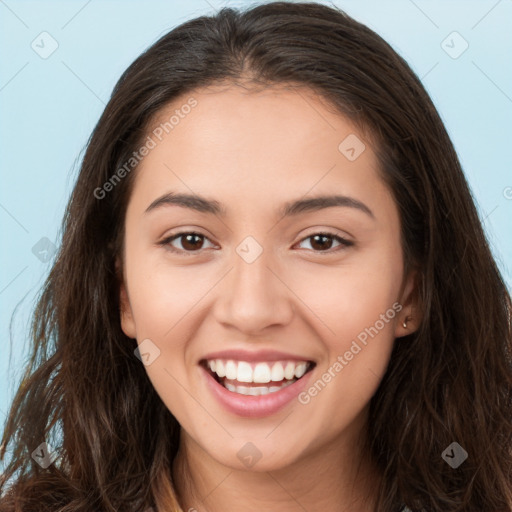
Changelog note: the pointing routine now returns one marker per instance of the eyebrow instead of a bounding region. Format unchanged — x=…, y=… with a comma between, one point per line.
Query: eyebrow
x=291, y=208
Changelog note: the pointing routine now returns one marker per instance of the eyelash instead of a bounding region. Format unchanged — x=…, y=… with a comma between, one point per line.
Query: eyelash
x=167, y=241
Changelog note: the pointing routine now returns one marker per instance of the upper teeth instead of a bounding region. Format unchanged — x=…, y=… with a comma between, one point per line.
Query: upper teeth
x=257, y=372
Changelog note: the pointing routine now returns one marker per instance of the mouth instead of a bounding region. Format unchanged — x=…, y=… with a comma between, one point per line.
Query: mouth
x=256, y=378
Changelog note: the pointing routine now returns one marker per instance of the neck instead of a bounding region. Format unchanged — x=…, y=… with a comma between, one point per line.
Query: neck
x=337, y=477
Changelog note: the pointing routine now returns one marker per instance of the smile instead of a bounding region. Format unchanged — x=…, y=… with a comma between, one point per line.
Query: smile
x=255, y=389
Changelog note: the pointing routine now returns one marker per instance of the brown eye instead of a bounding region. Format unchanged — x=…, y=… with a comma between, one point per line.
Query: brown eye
x=322, y=242
x=190, y=242
x=193, y=242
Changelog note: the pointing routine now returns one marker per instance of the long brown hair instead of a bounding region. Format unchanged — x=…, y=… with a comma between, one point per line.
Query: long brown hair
x=87, y=395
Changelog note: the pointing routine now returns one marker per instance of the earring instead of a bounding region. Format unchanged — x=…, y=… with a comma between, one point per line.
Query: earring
x=404, y=323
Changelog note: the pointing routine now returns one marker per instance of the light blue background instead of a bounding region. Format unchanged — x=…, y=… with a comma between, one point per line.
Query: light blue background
x=50, y=106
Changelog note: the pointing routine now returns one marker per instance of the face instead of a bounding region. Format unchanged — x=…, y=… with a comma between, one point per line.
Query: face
x=234, y=293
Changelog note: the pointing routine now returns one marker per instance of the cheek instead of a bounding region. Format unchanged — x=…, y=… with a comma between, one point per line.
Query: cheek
x=352, y=296
x=163, y=295
x=357, y=304
x=165, y=300
x=356, y=310
x=356, y=319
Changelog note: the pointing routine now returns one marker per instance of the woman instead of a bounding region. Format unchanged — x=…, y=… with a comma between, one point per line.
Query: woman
x=273, y=291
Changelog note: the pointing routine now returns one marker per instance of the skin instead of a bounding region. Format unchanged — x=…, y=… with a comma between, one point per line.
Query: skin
x=253, y=151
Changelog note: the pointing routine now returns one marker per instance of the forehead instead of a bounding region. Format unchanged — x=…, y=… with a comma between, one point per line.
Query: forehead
x=269, y=144
x=235, y=117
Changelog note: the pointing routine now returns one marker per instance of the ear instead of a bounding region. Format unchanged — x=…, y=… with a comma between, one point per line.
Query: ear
x=125, y=310
x=411, y=312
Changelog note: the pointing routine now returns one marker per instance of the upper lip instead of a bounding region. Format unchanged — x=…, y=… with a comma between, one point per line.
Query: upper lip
x=259, y=355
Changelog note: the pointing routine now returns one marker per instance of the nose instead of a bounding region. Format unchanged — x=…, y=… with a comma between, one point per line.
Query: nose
x=254, y=296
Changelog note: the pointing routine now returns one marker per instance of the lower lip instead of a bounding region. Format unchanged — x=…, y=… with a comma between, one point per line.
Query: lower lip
x=255, y=406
